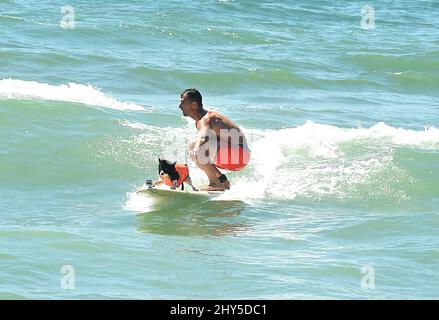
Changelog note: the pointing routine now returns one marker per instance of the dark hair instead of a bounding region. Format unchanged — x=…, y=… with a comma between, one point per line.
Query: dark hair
x=193, y=95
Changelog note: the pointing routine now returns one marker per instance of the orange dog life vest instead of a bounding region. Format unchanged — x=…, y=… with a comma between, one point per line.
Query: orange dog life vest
x=183, y=172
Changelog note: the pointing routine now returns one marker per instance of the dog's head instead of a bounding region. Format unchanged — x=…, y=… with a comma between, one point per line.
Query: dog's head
x=167, y=169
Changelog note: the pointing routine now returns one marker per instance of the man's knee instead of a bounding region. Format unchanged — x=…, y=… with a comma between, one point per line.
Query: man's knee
x=191, y=145
x=203, y=155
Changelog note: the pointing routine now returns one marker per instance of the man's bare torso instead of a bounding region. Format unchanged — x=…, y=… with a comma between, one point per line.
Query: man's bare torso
x=221, y=124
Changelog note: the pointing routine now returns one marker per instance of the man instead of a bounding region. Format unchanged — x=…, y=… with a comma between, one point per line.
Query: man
x=220, y=142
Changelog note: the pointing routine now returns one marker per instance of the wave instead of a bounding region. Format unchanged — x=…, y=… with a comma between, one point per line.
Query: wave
x=398, y=62
x=6, y=18
x=317, y=162
x=71, y=92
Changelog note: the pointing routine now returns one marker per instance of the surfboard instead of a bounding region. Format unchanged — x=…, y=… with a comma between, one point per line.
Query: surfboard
x=164, y=192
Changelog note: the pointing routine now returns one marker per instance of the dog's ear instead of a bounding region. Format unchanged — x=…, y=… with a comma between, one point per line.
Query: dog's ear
x=169, y=163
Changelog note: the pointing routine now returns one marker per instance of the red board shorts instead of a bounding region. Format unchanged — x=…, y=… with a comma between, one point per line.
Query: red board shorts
x=232, y=158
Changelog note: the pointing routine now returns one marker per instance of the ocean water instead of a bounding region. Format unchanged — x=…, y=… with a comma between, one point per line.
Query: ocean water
x=339, y=201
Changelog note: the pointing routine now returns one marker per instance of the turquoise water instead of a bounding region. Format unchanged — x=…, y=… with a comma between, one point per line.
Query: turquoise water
x=342, y=122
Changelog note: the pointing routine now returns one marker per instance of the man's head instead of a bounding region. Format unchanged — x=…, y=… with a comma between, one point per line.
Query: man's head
x=191, y=102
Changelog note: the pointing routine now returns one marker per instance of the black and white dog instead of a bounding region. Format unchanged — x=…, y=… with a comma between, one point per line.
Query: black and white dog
x=174, y=174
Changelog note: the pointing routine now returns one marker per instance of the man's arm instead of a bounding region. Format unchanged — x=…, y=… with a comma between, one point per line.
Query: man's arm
x=204, y=133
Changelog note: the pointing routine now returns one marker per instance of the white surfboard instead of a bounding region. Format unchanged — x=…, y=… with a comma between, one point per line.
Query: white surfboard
x=164, y=192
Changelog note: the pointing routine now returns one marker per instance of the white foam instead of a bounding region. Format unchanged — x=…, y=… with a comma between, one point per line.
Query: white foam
x=316, y=160
x=71, y=92
x=425, y=139
x=311, y=161
x=324, y=140
x=138, y=203
x=136, y=125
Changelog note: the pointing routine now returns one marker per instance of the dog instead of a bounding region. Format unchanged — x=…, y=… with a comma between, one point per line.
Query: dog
x=174, y=174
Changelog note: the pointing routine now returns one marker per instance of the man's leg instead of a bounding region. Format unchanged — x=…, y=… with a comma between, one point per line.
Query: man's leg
x=211, y=171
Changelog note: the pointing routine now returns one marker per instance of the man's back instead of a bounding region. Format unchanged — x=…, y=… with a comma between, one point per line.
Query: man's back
x=223, y=127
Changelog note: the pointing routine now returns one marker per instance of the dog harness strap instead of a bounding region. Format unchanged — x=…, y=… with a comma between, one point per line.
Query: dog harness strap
x=222, y=178
x=166, y=180
x=183, y=172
